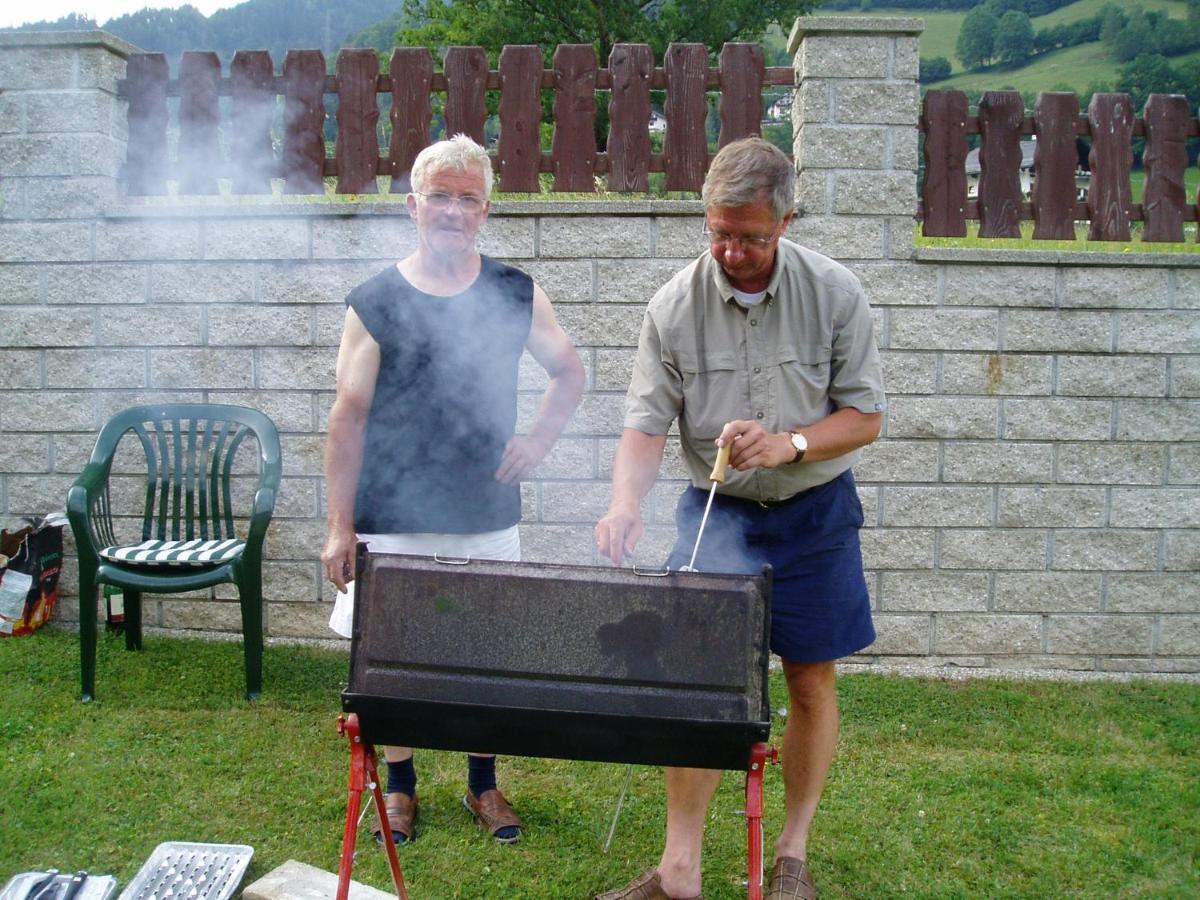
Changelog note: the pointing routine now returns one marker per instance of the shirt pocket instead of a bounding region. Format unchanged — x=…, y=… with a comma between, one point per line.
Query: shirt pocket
x=711, y=392
x=801, y=383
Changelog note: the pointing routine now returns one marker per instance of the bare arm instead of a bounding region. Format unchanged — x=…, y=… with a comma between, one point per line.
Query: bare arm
x=635, y=469
x=357, y=371
x=553, y=350
x=838, y=433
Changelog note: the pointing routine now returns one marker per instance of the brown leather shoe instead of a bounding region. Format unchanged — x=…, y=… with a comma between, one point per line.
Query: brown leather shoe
x=401, y=815
x=791, y=879
x=647, y=886
x=492, y=812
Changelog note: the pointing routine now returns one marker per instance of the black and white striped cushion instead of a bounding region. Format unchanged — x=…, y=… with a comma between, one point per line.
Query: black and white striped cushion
x=175, y=553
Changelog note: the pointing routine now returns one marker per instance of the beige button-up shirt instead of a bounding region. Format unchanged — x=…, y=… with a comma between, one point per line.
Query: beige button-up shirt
x=807, y=350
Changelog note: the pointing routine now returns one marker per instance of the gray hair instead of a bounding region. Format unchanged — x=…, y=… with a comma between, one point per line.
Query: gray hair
x=460, y=154
x=751, y=171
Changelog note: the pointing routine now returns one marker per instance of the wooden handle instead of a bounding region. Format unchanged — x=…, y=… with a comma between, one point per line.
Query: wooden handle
x=722, y=463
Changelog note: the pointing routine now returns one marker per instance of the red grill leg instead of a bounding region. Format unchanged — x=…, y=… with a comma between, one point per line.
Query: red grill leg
x=759, y=754
x=363, y=774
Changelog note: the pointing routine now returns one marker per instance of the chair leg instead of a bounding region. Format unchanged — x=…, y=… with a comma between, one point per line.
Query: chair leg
x=87, y=632
x=133, y=620
x=250, y=594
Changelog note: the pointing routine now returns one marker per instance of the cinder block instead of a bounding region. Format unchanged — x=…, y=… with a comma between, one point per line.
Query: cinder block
x=24, y=453
x=20, y=369
x=959, y=417
x=508, y=238
x=148, y=240
x=582, y=502
x=74, y=112
x=255, y=238
x=203, y=283
x=19, y=284
x=613, y=368
x=906, y=63
x=1105, y=549
x=1154, y=332
x=40, y=326
x=841, y=147
x=989, y=634
x=1158, y=420
x=593, y=236
x=45, y=241
x=1051, y=507
x=608, y=324
x=1109, y=463
x=95, y=368
x=934, y=592
x=870, y=103
x=1000, y=286
x=1180, y=636
x=909, y=373
x=635, y=281
x=313, y=282
x=1182, y=551
x=569, y=458
x=840, y=237
x=303, y=454
x=1099, y=634
x=1186, y=289
x=901, y=635
x=1185, y=376
x=100, y=284
x=1114, y=288
x=888, y=193
x=1155, y=508
x=1058, y=331
x=1047, y=592
x=28, y=155
x=949, y=507
x=814, y=196
x=843, y=56
x=262, y=326
x=202, y=368
x=1157, y=593
x=898, y=460
x=98, y=155
x=992, y=549
x=996, y=374
x=812, y=102
x=566, y=281
x=200, y=614
x=1112, y=376
x=943, y=329
x=677, y=238
x=1003, y=463
x=36, y=495
x=300, y=620
x=897, y=548
x=328, y=323
x=140, y=326
x=295, y=539
x=1058, y=420
x=598, y=414
x=569, y=544
x=297, y=497
x=361, y=237
x=901, y=284
x=304, y=369
x=76, y=197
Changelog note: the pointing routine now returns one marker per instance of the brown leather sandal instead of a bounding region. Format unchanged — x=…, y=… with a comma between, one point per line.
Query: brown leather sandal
x=401, y=815
x=647, y=886
x=791, y=879
x=492, y=812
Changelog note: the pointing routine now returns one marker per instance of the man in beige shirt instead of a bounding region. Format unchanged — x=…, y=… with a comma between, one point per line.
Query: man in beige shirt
x=768, y=346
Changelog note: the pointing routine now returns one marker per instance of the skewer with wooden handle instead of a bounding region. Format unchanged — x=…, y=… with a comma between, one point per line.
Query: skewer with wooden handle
x=716, y=476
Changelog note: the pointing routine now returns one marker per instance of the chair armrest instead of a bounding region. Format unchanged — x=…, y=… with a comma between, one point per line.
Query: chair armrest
x=260, y=518
x=80, y=505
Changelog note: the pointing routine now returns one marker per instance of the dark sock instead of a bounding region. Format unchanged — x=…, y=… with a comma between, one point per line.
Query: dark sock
x=481, y=776
x=402, y=777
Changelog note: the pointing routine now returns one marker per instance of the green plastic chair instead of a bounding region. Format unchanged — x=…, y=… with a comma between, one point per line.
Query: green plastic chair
x=188, y=536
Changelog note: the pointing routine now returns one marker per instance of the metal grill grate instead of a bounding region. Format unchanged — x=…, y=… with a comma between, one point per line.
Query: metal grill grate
x=178, y=870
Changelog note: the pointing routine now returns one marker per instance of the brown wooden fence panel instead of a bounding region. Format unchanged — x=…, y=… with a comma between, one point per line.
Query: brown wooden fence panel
x=1054, y=162
x=630, y=67
x=945, y=191
x=199, y=122
x=1165, y=196
x=520, y=149
x=466, y=71
x=685, y=148
x=251, y=151
x=1109, y=195
x=742, y=73
x=411, y=70
x=304, y=122
x=146, y=77
x=574, y=149
x=1000, y=115
x=357, y=147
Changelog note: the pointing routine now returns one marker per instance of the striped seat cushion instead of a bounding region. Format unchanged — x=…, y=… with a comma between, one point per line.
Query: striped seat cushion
x=175, y=553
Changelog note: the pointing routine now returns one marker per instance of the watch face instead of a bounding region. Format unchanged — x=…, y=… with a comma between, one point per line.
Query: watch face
x=799, y=442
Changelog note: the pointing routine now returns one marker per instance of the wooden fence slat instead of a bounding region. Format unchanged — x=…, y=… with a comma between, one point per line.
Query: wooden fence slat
x=631, y=67
x=146, y=77
x=685, y=147
x=520, y=148
x=1165, y=196
x=357, y=147
x=466, y=70
x=1055, y=160
x=199, y=122
x=1000, y=115
x=411, y=71
x=945, y=190
x=251, y=151
x=742, y=72
x=1109, y=195
x=304, y=122
x=574, y=148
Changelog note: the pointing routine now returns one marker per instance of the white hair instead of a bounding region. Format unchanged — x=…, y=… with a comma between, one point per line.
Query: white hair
x=459, y=154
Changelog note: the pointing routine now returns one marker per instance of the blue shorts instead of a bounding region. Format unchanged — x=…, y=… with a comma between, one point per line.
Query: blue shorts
x=820, y=608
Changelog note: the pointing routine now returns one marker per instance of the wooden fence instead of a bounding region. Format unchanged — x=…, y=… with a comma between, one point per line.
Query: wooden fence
x=1110, y=126
x=411, y=81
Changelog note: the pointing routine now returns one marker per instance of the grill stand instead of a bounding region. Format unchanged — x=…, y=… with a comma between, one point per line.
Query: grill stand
x=364, y=776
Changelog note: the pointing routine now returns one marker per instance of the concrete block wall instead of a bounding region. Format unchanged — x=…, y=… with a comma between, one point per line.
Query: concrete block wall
x=1035, y=498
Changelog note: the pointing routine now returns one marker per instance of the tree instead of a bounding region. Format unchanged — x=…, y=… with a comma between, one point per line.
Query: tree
x=976, y=37
x=1014, y=39
x=1149, y=73
x=934, y=68
x=494, y=23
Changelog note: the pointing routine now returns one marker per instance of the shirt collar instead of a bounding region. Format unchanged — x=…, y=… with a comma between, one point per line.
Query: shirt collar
x=725, y=289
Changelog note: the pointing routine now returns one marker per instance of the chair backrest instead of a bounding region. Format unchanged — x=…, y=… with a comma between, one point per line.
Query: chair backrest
x=190, y=451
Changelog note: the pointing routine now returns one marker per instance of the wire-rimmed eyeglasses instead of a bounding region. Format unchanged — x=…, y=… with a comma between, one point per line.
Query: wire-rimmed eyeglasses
x=754, y=241
x=468, y=203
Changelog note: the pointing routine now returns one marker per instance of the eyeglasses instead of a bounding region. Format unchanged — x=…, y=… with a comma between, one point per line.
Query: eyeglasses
x=754, y=241
x=468, y=203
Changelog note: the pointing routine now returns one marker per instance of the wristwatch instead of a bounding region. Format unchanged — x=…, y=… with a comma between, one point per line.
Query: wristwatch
x=800, y=442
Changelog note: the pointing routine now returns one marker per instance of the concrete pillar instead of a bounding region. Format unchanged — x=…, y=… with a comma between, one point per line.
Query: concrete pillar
x=855, y=118
x=62, y=128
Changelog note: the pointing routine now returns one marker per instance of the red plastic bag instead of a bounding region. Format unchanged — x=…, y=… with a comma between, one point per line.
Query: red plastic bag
x=29, y=580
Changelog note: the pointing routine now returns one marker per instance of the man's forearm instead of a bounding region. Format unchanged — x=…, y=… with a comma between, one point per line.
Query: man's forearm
x=558, y=403
x=343, y=466
x=635, y=466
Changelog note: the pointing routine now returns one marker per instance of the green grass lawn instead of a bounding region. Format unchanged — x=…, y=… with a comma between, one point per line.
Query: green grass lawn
x=941, y=789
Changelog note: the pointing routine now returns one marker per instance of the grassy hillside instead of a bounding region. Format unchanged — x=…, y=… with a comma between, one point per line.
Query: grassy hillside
x=1074, y=68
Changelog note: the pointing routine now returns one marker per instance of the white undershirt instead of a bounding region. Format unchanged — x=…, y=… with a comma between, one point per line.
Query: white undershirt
x=748, y=300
